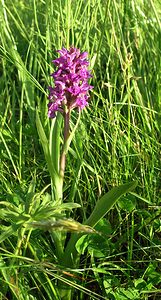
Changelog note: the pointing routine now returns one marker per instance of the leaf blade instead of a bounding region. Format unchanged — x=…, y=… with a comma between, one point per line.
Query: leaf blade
x=104, y=204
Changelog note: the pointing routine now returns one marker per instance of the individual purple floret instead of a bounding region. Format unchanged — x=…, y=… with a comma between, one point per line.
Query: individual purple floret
x=71, y=81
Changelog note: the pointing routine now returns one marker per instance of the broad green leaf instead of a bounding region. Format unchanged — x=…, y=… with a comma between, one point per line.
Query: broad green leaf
x=104, y=204
x=82, y=244
x=127, y=203
x=125, y=294
x=97, y=244
x=104, y=227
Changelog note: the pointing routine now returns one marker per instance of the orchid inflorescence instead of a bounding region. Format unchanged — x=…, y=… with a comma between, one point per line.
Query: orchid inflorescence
x=71, y=82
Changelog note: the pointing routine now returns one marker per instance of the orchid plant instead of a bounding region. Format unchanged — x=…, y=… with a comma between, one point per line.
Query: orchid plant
x=71, y=91
x=50, y=212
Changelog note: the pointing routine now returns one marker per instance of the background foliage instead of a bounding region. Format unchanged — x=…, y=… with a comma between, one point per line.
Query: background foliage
x=118, y=140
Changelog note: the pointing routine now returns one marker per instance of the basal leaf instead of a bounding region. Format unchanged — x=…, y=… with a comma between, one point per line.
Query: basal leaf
x=104, y=204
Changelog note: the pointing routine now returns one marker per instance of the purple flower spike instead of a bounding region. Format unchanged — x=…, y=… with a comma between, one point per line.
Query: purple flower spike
x=71, y=81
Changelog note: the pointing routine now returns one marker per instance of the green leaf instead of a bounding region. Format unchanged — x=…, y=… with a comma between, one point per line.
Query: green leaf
x=82, y=244
x=127, y=203
x=140, y=283
x=69, y=225
x=45, y=146
x=67, y=206
x=53, y=173
x=125, y=294
x=104, y=227
x=10, y=206
x=47, y=210
x=104, y=204
x=96, y=244
x=7, y=232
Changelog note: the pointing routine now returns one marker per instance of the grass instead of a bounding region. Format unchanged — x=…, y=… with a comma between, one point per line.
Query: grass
x=118, y=140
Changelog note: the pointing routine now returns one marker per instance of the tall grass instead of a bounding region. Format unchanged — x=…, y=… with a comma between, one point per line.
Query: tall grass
x=118, y=140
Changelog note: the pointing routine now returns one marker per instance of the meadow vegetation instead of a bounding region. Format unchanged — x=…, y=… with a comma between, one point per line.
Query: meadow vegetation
x=118, y=140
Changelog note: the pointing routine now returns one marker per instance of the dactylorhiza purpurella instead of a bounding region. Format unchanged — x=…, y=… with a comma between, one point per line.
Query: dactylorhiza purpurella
x=71, y=82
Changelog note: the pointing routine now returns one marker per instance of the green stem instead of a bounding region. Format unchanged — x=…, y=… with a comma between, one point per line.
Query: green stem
x=54, y=141
x=57, y=238
x=66, y=136
x=54, y=145
x=20, y=241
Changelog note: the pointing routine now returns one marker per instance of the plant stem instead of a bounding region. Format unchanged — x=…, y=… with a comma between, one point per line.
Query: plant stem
x=66, y=135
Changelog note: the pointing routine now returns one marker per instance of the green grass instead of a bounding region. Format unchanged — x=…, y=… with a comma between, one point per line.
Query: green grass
x=118, y=140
